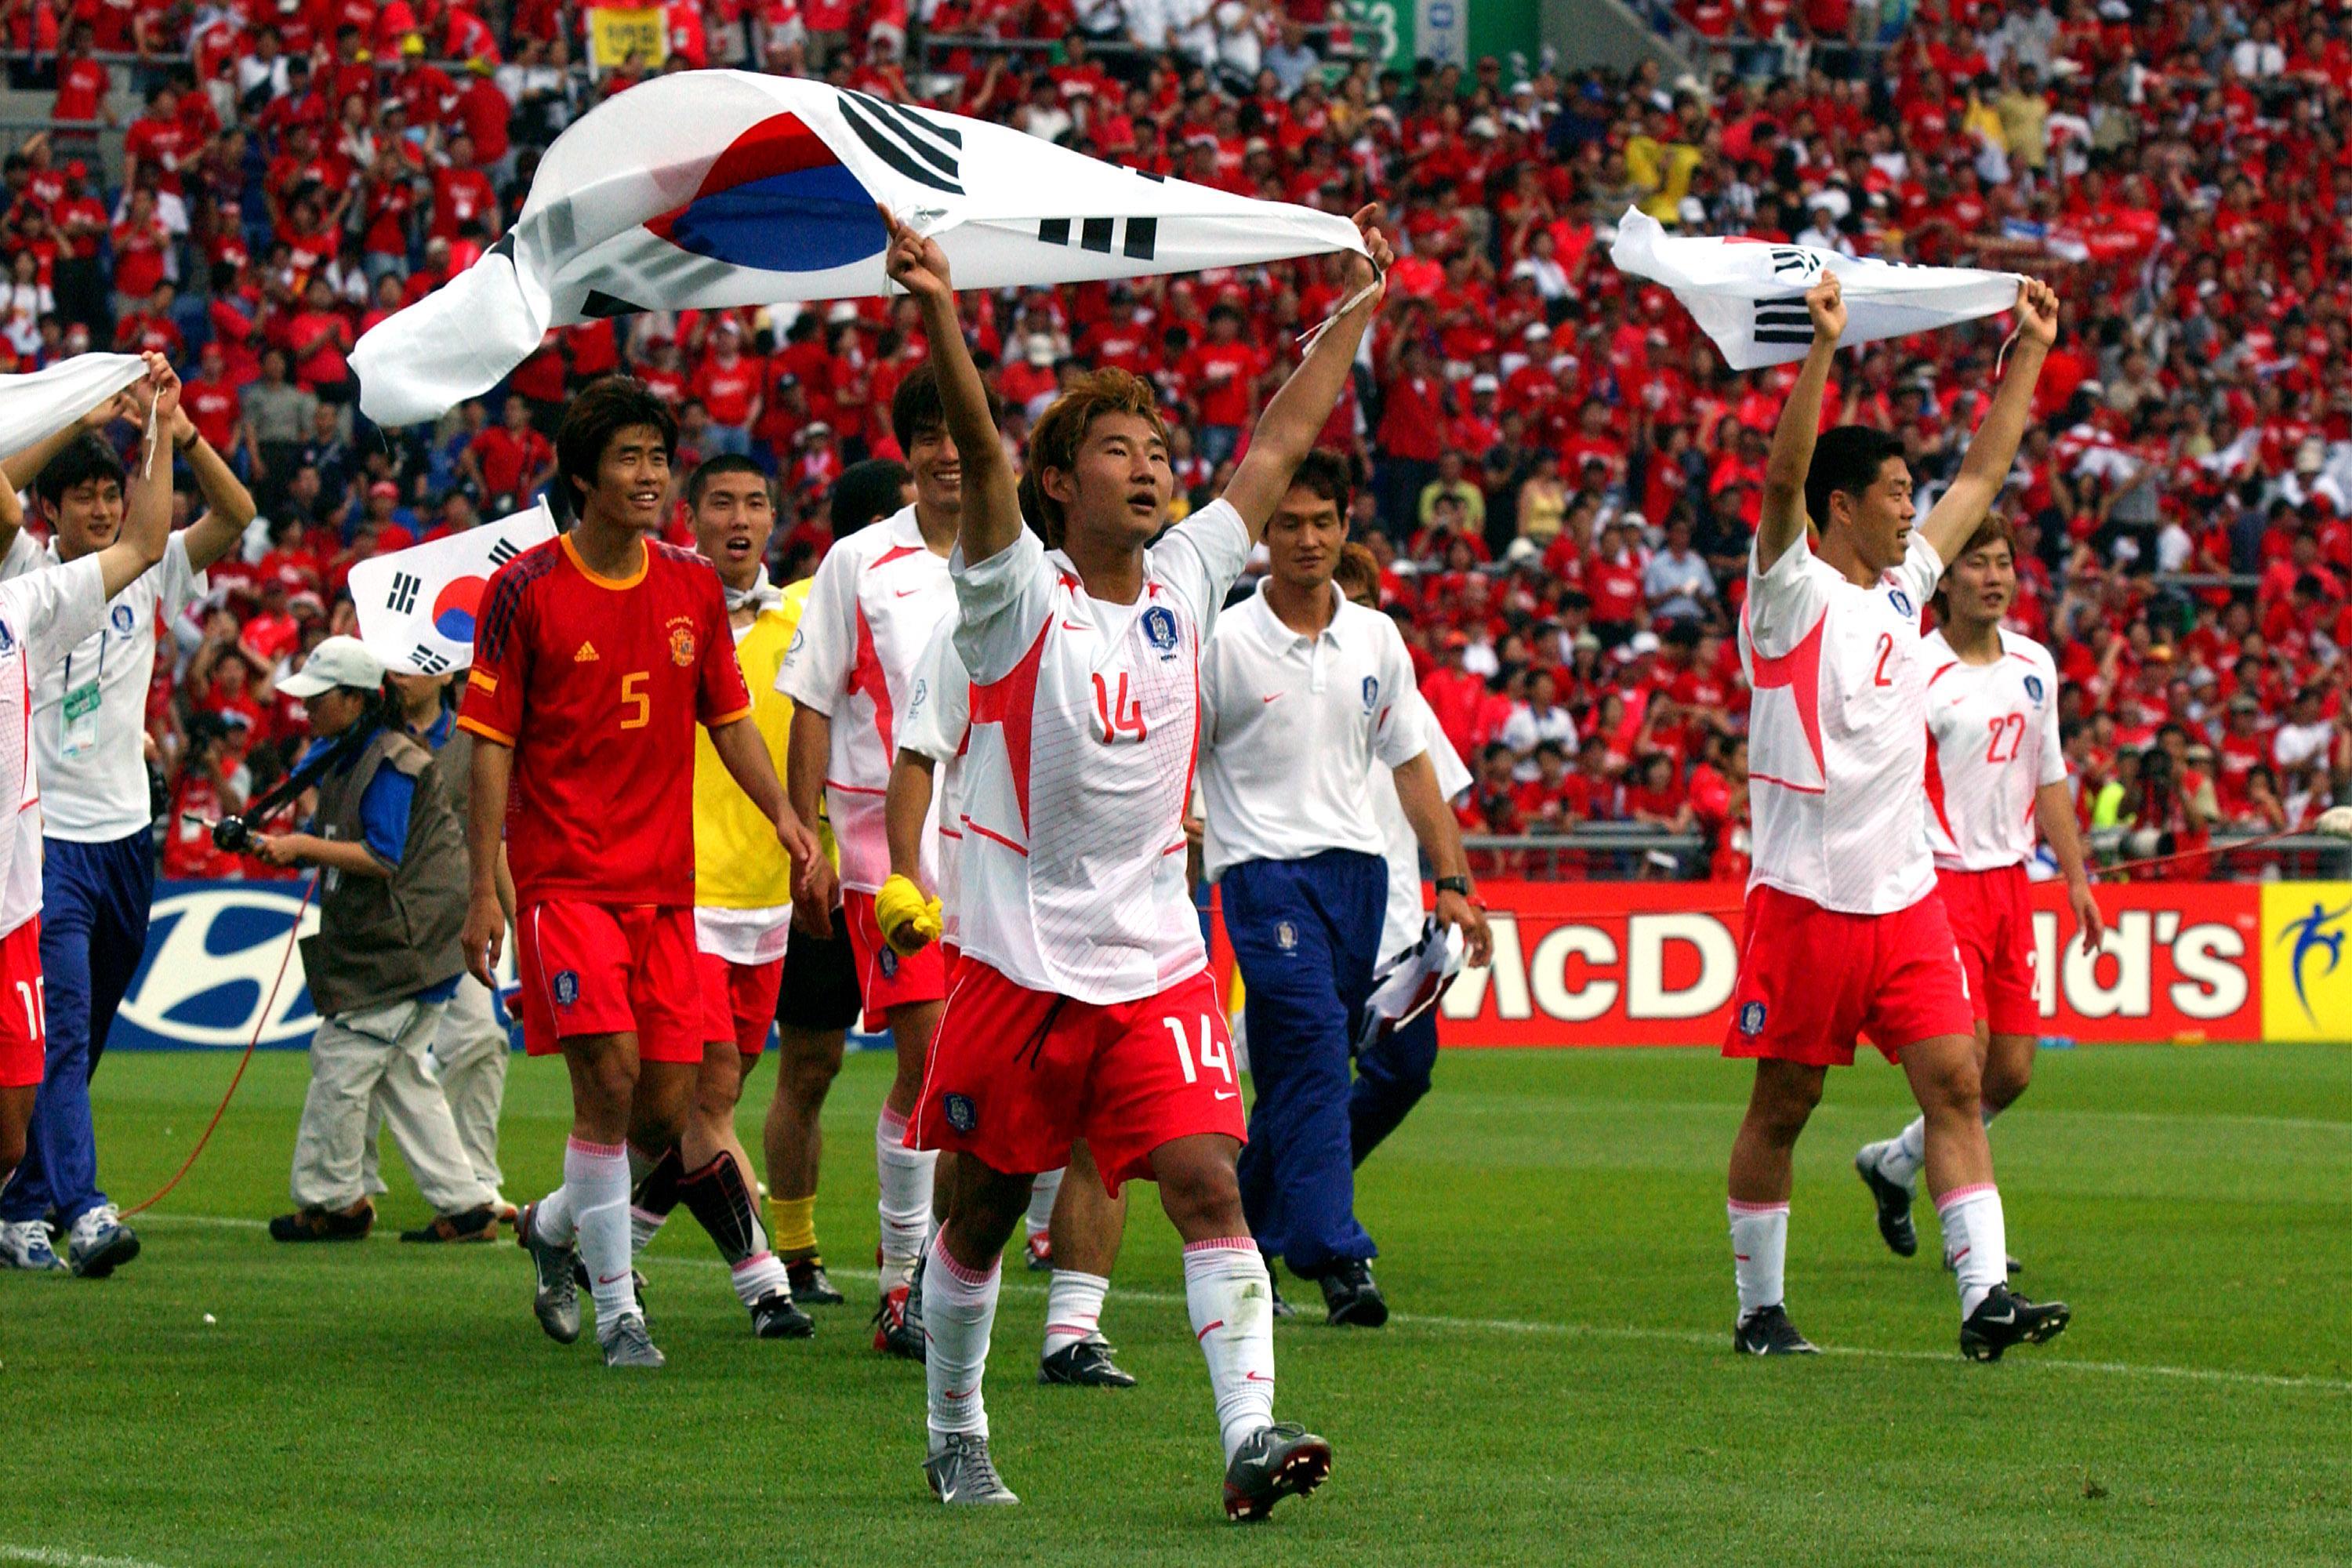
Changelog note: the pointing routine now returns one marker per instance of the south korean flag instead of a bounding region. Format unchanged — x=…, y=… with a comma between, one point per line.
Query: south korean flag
x=1749, y=295
x=418, y=607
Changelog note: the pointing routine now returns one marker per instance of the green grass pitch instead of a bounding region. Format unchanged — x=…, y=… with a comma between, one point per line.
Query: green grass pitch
x=1556, y=1386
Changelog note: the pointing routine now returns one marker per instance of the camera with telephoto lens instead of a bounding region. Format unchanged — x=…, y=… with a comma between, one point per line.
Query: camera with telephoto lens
x=231, y=835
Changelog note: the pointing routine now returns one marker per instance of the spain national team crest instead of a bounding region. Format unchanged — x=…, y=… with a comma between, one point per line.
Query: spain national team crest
x=565, y=986
x=962, y=1114
x=2033, y=687
x=681, y=644
x=1159, y=630
x=1751, y=1019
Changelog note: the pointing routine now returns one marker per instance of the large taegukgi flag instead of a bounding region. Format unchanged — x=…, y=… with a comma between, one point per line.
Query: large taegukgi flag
x=718, y=188
x=418, y=607
x=1749, y=295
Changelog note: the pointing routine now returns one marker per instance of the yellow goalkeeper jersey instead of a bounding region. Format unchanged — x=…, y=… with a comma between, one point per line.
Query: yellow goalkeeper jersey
x=738, y=864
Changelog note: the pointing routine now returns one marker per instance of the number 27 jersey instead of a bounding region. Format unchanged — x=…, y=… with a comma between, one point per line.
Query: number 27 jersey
x=1993, y=735
x=598, y=684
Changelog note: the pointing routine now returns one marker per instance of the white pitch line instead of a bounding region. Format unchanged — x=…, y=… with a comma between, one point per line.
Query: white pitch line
x=2218, y=1375
x=53, y=1557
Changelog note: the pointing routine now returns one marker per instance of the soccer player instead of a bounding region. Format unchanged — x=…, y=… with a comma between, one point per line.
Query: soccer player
x=742, y=912
x=45, y=618
x=876, y=599
x=598, y=653
x=97, y=865
x=1083, y=1005
x=1075, y=1227
x=1393, y=1070
x=1996, y=772
x=1302, y=701
x=820, y=998
x=1844, y=931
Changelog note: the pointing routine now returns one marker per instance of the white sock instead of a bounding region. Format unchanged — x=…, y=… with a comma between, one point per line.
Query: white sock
x=644, y=1226
x=959, y=1310
x=551, y=1217
x=1759, y=1252
x=1073, y=1304
x=1042, y=1194
x=1901, y=1156
x=1231, y=1305
x=597, y=1177
x=1976, y=1238
x=760, y=1275
x=904, y=1176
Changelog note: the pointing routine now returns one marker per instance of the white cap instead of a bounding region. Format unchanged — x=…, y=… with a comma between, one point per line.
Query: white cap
x=1643, y=643
x=338, y=661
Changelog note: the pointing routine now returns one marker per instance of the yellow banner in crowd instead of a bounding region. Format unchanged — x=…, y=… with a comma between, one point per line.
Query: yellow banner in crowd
x=2306, y=973
x=616, y=32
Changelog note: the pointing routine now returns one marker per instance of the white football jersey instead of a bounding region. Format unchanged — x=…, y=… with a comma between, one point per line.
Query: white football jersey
x=1085, y=717
x=44, y=616
x=936, y=723
x=878, y=597
x=1837, y=737
x=1993, y=730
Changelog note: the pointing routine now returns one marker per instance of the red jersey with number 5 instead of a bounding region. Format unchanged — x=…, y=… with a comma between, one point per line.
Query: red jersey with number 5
x=598, y=684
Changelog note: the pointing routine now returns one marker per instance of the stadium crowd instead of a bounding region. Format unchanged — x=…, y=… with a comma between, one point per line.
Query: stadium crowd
x=1560, y=474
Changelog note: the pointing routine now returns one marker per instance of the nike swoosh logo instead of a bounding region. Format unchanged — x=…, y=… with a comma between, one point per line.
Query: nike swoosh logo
x=1256, y=1377
x=1276, y=698
x=609, y=1278
x=908, y=593
x=1229, y=1094
x=951, y=1393
x=1075, y=626
x=2007, y=1317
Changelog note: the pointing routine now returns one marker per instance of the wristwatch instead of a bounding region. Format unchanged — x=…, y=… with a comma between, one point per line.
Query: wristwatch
x=1453, y=885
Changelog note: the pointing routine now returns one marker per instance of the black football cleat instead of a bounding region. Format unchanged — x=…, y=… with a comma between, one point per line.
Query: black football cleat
x=1768, y=1332
x=775, y=1316
x=812, y=1287
x=1894, y=1199
x=1276, y=1462
x=1350, y=1300
x=2002, y=1320
x=1085, y=1363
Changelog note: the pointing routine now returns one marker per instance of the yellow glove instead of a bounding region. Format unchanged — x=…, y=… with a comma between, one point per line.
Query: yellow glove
x=909, y=922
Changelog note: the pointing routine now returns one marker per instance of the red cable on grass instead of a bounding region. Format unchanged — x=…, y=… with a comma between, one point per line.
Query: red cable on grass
x=292, y=935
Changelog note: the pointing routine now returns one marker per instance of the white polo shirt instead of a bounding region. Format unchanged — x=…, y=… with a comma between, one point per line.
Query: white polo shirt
x=89, y=706
x=1291, y=729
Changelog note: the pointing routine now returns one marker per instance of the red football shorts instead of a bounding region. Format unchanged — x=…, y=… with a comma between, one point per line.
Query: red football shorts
x=24, y=1021
x=886, y=978
x=1016, y=1076
x=739, y=1001
x=1992, y=922
x=1813, y=981
x=609, y=969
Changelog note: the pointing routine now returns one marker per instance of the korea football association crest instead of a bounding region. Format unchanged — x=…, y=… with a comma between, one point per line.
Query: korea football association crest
x=962, y=1114
x=565, y=986
x=124, y=618
x=1285, y=936
x=2033, y=689
x=1372, y=692
x=7, y=639
x=888, y=958
x=1902, y=602
x=1159, y=630
x=1751, y=1019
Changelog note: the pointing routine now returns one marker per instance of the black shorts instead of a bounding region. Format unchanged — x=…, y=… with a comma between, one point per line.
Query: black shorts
x=820, y=990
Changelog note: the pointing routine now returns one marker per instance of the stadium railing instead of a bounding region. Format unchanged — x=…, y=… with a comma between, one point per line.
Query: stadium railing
x=1625, y=852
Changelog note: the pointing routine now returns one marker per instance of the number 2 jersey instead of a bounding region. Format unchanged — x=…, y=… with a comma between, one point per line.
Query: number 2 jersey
x=1084, y=720
x=597, y=683
x=1993, y=733
x=1837, y=738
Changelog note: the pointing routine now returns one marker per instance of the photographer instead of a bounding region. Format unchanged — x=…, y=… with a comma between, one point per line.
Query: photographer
x=385, y=961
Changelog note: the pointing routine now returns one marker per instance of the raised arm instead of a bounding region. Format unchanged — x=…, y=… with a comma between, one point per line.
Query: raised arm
x=1783, y=520
x=1985, y=470
x=147, y=510
x=228, y=505
x=1287, y=430
x=991, y=502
